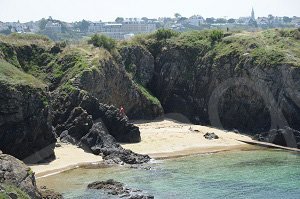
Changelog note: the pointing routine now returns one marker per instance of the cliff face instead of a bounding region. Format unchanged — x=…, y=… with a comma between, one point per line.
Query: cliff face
x=248, y=99
x=30, y=65
x=25, y=125
x=244, y=81
x=16, y=179
x=109, y=83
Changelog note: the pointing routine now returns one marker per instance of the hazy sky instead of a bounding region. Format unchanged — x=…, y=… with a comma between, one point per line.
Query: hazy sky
x=94, y=10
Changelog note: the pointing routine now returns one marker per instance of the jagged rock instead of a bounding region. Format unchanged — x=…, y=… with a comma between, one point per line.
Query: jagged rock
x=98, y=139
x=96, y=127
x=77, y=125
x=139, y=62
x=50, y=194
x=118, y=126
x=110, y=84
x=284, y=137
x=15, y=173
x=113, y=187
x=100, y=142
x=25, y=125
x=210, y=136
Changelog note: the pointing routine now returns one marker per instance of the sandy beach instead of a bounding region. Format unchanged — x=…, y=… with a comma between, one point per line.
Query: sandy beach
x=160, y=139
x=168, y=138
x=67, y=157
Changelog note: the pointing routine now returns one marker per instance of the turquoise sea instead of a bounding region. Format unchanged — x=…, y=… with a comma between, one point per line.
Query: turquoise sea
x=240, y=174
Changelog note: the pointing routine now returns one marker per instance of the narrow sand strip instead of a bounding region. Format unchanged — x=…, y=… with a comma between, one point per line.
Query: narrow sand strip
x=67, y=157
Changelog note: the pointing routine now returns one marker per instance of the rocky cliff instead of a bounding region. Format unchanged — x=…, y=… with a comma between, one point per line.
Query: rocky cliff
x=16, y=179
x=244, y=81
x=81, y=79
x=25, y=125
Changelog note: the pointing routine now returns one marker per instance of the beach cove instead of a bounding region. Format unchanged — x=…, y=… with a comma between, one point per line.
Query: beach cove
x=160, y=140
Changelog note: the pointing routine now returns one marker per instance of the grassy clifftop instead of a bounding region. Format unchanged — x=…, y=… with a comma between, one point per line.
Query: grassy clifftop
x=57, y=63
x=13, y=75
x=266, y=48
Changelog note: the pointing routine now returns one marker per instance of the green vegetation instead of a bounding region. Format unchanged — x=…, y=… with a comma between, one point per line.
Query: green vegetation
x=268, y=48
x=9, y=54
x=68, y=87
x=266, y=57
x=13, y=75
x=103, y=42
x=36, y=60
x=12, y=189
x=148, y=95
x=216, y=36
x=164, y=34
x=30, y=172
x=25, y=39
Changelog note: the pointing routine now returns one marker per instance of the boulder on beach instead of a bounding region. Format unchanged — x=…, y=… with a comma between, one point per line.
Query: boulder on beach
x=210, y=136
x=286, y=136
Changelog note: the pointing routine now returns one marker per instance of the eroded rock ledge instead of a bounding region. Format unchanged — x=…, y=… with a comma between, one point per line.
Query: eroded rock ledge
x=112, y=187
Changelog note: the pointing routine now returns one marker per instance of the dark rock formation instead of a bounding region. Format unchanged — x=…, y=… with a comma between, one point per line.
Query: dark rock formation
x=25, y=125
x=95, y=127
x=17, y=176
x=110, y=84
x=77, y=125
x=66, y=105
x=210, y=136
x=287, y=137
x=139, y=62
x=117, y=188
x=224, y=89
x=100, y=142
x=50, y=194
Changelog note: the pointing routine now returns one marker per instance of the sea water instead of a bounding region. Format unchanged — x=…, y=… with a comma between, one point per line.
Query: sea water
x=239, y=174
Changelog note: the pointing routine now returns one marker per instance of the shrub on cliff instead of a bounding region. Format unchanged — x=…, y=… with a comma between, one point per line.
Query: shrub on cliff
x=103, y=42
x=216, y=35
x=163, y=34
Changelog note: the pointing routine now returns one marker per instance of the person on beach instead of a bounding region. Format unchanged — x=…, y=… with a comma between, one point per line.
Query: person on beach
x=122, y=111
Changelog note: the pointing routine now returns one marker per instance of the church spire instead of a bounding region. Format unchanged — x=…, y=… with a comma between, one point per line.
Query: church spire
x=252, y=14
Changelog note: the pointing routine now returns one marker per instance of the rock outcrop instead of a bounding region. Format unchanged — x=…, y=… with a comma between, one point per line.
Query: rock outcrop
x=109, y=83
x=233, y=82
x=50, y=194
x=16, y=178
x=25, y=124
x=79, y=108
x=113, y=187
x=287, y=137
x=139, y=62
x=210, y=136
x=100, y=142
x=82, y=120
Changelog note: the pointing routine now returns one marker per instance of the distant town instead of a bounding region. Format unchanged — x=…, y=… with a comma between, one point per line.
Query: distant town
x=124, y=28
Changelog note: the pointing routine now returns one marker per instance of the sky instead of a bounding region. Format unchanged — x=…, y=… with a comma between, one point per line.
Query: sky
x=108, y=10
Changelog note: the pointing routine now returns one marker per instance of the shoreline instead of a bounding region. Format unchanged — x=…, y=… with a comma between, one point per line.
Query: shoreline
x=201, y=150
x=164, y=139
x=154, y=156
x=68, y=157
